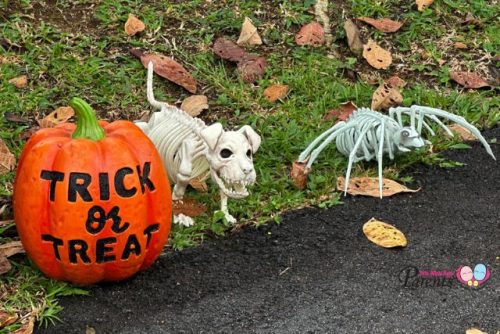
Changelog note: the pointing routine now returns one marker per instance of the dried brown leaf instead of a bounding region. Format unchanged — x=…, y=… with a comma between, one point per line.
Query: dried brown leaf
x=469, y=79
x=471, y=19
x=249, y=34
x=26, y=134
x=462, y=132
x=58, y=116
x=423, y=4
x=168, y=68
x=134, y=25
x=299, y=174
x=396, y=82
x=7, y=318
x=228, y=50
x=199, y=183
x=460, y=45
x=386, y=96
x=311, y=34
x=20, y=81
x=14, y=118
x=343, y=112
x=7, y=159
x=353, y=39
x=27, y=327
x=275, y=92
x=11, y=248
x=384, y=25
x=5, y=265
x=194, y=104
x=252, y=68
x=383, y=234
x=189, y=207
x=368, y=186
x=376, y=56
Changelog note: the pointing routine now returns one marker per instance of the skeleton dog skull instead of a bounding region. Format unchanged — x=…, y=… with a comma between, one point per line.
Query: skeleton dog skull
x=230, y=156
x=189, y=149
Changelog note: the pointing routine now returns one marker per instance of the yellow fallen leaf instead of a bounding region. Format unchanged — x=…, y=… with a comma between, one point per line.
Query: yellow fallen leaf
x=7, y=159
x=474, y=331
x=275, y=92
x=376, y=56
x=383, y=234
x=19, y=82
x=194, y=104
x=249, y=34
x=368, y=186
x=134, y=25
x=460, y=45
x=60, y=115
x=423, y=4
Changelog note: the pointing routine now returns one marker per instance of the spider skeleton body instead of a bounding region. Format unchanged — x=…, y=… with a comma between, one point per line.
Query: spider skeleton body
x=368, y=135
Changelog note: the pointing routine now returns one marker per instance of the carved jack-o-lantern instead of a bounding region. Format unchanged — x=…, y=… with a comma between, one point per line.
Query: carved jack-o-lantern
x=92, y=203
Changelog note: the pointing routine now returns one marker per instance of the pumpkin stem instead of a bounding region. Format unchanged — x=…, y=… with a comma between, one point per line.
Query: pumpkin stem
x=86, y=121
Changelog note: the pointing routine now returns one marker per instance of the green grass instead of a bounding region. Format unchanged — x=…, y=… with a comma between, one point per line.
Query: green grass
x=87, y=56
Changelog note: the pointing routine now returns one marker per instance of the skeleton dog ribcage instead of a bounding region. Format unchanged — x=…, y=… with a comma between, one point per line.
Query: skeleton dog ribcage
x=368, y=135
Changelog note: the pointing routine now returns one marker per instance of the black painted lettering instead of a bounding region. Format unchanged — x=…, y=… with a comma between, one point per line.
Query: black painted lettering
x=104, y=186
x=78, y=183
x=132, y=246
x=78, y=247
x=102, y=249
x=144, y=177
x=56, y=242
x=53, y=177
x=150, y=230
x=119, y=182
x=97, y=218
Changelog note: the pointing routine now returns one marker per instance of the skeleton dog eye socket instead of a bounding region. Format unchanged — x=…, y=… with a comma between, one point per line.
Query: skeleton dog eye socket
x=249, y=153
x=225, y=153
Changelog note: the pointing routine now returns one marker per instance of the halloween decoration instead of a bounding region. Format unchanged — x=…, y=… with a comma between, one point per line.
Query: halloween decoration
x=191, y=149
x=368, y=135
x=91, y=203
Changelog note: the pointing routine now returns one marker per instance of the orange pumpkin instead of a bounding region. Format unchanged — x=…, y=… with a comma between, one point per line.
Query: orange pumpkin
x=92, y=203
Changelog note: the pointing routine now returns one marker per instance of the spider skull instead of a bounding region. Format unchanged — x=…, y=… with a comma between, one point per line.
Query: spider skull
x=230, y=155
x=408, y=139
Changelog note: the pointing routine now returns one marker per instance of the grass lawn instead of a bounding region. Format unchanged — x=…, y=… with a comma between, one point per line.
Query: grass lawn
x=79, y=48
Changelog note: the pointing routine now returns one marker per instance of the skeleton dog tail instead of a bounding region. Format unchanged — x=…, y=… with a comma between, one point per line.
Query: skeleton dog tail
x=156, y=117
x=149, y=89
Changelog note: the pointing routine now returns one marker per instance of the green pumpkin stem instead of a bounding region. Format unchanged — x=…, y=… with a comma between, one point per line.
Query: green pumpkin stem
x=87, y=125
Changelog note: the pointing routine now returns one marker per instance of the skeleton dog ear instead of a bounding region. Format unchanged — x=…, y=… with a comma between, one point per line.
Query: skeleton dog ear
x=211, y=134
x=252, y=136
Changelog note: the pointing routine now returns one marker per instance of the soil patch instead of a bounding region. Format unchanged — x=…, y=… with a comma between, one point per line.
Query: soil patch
x=317, y=273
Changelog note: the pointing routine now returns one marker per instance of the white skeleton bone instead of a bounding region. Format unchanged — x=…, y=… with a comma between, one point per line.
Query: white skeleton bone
x=191, y=149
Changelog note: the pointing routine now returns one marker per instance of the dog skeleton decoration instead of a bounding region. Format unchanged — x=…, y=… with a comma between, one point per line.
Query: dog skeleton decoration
x=191, y=149
x=368, y=135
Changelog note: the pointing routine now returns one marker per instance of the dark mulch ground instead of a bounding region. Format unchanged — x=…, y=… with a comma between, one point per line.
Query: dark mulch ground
x=317, y=273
